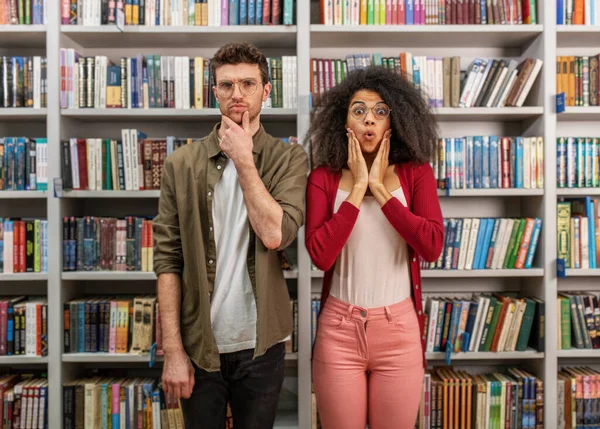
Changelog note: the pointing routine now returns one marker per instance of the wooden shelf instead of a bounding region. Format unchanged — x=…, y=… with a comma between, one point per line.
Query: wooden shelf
x=577, y=192
x=157, y=114
x=583, y=272
x=23, y=36
x=487, y=114
x=23, y=360
x=528, y=354
x=532, y=272
x=578, y=353
x=578, y=113
x=23, y=195
x=109, y=36
x=578, y=36
x=112, y=194
x=125, y=357
x=130, y=275
x=438, y=36
x=501, y=192
x=22, y=113
x=23, y=277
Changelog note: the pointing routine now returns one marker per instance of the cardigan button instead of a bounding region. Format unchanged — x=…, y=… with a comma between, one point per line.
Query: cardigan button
x=416, y=286
x=420, y=312
x=414, y=259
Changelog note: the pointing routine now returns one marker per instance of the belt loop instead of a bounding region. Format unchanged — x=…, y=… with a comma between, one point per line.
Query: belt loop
x=349, y=312
x=388, y=313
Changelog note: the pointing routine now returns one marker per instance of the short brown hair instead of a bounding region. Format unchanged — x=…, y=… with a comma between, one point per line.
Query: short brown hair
x=240, y=53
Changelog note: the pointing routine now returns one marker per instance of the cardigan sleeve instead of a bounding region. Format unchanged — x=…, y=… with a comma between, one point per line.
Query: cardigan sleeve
x=422, y=227
x=326, y=232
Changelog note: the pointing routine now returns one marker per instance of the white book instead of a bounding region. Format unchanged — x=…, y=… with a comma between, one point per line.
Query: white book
x=37, y=82
x=355, y=12
x=472, y=243
x=211, y=13
x=516, y=329
x=30, y=328
x=497, y=86
x=74, y=163
x=478, y=82
x=484, y=303
x=9, y=260
x=114, y=165
x=498, y=243
x=540, y=159
x=90, y=146
x=506, y=90
x=98, y=158
x=504, y=81
x=97, y=71
x=127, y=159
x=433, y=306
x=471, y=72
x=510, y=313
x=103, y=73
x=135, y=159
x=178, y=83
x=185, y=73
x=583, y=236
x=505, y=241
x=532, y=162
x=527, y=87
x=464, y=243
x=526, y=164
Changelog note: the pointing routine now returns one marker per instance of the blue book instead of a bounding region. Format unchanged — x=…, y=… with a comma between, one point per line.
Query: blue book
x=491, y=225
x=470, y=324
x=454, y=322
x=485, y=151
x=456, y=247
x=490, y=249
x=483, y=12
x=591, y=230
x=410, y=12
x=20, y=164
x=451, y=233
x=478, y=244
x=469, y=162
x=259, y=12
x=533, y=245
x=243, y=12
x=477, y=161
x=519, y=163
x=234, y=12
x=494, y=162
x=251, y=12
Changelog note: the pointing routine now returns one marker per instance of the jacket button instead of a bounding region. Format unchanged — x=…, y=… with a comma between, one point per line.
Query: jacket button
x=210, y=228
x=210, y=194
x=219, y=167
x=210, y=262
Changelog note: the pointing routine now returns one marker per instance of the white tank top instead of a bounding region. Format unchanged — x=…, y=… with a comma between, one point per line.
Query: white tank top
x=373, y=268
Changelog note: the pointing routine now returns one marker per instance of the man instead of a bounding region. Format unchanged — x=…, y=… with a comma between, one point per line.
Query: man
x=228, y=204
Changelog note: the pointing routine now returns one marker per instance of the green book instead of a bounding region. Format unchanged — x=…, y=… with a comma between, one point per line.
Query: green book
x=488, y=321
x=565, y=322
x=526, y=325
x=493, y=324
x=511, y=242
x=371, y=12
x=517, y=244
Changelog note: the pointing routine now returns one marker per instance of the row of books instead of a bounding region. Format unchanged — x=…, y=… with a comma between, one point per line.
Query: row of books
x=123, y=325
x=577, y=77
x=577, y=162
x=23, y=81
x=108, y=401
x=132, y=163
x=22, y=12
x=489, y=162
x=23, y=245
x=488, y=243
x=23, y=326
x=578, y=397
x=453, y=399
x=23, y=164
x=115, y=325
x=155, y=81
x=424, y=12
x=486, y=82
x=577, y=227
x=23, y=401
x=578, y=321
x=483, y=323
x=94, y=243
x=578, y=12
x=179, y=13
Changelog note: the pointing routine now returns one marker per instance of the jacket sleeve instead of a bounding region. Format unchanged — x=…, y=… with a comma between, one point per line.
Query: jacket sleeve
x=423, y=226
x=168, y=255
x=326, y=233
x=290, y=194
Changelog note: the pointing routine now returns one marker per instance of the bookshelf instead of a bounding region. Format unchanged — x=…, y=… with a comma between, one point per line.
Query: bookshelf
x=307, y=39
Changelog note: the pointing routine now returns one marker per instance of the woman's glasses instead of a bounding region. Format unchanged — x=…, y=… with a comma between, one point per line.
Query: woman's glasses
x=380, y=111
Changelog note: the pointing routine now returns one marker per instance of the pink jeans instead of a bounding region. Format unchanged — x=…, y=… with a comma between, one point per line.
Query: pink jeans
x=368, y=366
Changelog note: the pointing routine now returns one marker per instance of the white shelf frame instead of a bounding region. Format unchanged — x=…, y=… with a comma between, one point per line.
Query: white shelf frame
x=300, y=39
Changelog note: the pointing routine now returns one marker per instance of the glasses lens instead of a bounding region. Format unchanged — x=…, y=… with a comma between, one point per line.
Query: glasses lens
x=248, y=86
x=359, y=111
x=225, y=88
x=381, y=111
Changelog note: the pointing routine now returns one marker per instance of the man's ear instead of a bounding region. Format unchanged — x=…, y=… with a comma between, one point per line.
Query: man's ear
x=266, y=91
x=214, y=90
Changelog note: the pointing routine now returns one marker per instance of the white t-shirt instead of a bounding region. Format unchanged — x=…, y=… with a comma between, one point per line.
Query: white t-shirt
x=372, y=270
x=233, y=307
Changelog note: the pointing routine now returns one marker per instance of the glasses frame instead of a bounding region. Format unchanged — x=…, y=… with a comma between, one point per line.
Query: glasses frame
x=370, y=109
x=239, y=88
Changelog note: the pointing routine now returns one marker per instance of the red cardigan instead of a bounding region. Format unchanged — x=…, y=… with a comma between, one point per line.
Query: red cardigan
x=420, y=224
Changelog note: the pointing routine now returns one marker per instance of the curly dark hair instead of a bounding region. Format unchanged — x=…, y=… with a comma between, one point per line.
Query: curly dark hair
x=414, y=128
x=240, y=53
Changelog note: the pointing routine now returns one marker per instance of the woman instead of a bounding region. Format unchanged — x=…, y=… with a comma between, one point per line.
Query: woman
x=372, y=211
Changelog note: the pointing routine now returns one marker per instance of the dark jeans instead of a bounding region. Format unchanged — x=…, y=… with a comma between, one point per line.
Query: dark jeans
x=252, y=388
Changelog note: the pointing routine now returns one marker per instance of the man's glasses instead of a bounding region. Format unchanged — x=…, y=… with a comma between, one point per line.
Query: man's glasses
x=380, y=111
x=247, y=87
